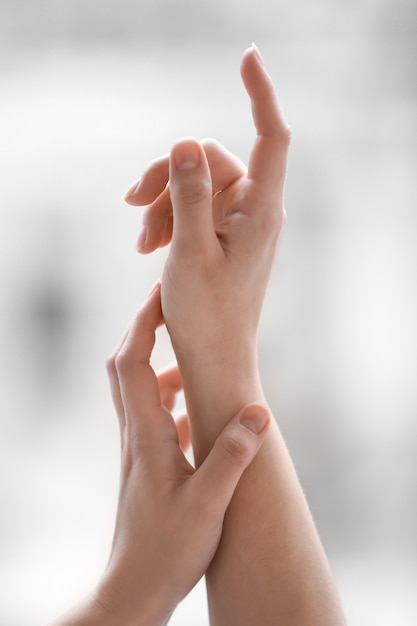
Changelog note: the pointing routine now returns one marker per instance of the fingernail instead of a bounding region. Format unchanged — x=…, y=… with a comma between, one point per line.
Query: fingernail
x=154, y=289
x=132, y=190
x=141, y=238
x=254, y=418
x=186, y=155
x=258, y=54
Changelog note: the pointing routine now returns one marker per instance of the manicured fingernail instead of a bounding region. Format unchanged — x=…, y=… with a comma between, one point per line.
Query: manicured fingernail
x=141, y=238
x=132, y=190
x=258, y=54
x=254, y=418
x=186, y=155
x=154, y=289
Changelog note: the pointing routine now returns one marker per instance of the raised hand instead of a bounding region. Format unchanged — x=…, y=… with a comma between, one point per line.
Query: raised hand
x=267, y=165
x=224, y=220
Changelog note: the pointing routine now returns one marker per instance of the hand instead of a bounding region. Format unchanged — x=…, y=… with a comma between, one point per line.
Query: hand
x=225, y=223
x=170, y=516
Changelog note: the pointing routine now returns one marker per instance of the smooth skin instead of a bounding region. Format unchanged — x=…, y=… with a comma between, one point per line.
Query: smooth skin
x=170, y=516
x=225, y=222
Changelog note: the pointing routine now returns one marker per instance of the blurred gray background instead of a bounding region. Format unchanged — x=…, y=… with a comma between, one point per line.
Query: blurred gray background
x=90, y=91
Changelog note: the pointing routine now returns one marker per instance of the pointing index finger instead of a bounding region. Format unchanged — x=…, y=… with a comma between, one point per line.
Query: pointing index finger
x=268, y=159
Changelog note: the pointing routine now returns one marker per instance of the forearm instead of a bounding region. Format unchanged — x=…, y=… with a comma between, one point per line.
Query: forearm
x=226, y=221
x=217, y=384
x=88, y=612
x=270, y=567
x=100, y=609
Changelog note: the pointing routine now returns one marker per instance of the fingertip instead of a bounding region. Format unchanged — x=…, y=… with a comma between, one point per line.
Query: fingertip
x=251, y=57
x=154, y=289
x=186, y=154
x=143, y=250
x=191, y=192
x=130, y=193
x=149, y=246
x=255, y=418
x=153, y=304
x=150, y=237
x=255, y=51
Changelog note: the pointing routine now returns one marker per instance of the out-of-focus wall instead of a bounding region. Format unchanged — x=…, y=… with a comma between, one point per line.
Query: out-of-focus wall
x=90, y=91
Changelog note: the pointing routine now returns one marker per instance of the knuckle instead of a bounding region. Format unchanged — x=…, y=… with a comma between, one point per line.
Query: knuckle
x=277, y=225
x=270, y=226
x=193, y=192
x=122, y=363
x=111, y=365
x=153, y=165
x=235, y=448
x=286, y=134
x=129, y=454
x=280, y=133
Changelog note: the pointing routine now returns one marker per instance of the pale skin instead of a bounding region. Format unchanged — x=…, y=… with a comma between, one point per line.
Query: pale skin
x=170, y=516
x=240, y=517
x=225, y=221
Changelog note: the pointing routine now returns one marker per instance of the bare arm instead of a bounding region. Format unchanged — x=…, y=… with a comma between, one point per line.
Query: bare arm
x=169, y=516
x=270, y=567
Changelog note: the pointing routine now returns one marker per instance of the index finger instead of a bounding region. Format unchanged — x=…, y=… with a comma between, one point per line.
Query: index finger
x=268, y=159
x=139, y=387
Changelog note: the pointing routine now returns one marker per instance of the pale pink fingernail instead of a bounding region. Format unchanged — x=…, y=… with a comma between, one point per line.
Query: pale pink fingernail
x=258, y=54
x=186, y=155
x=133, y=189
x=154, y=289
x=254, y=418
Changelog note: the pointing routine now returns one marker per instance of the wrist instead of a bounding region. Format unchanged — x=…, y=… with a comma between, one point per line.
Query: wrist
x=215, y=389
x=88, y=612
x=220, y=383
x=222, y=350
x=126, y=602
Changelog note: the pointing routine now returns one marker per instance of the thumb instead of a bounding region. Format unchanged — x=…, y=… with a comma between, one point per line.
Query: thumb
x=191, y=196
x=233, y=450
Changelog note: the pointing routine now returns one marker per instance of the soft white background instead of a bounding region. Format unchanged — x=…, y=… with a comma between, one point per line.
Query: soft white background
x=90, y=92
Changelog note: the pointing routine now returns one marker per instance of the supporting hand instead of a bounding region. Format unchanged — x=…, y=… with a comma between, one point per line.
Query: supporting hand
x=170, y=516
